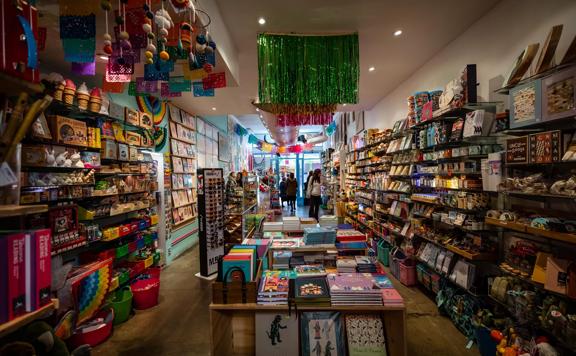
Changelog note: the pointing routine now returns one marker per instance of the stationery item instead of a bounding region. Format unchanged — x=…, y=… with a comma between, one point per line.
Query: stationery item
x=312, y=291
x=522, y=64
x=549, y=49
x=13, y=288
x=38, y=269
x=365, y=335
x=276, y=334
x=321, y=334
x=310, y=270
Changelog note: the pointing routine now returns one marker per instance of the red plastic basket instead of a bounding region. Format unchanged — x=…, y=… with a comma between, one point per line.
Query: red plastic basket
x=146, y=293
x=97, y=334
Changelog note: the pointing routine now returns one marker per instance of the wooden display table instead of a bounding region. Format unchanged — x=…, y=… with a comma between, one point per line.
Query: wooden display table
x=233, y=325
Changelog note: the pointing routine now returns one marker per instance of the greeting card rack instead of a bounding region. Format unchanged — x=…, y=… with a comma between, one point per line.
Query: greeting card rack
x=211, y=218
x=183, y=157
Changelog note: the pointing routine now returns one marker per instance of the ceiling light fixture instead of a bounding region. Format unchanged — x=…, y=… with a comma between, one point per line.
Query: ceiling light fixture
x=344, y=104
x=262, y=21
x=104, y=58
x=213, y=109
x=371, y=69
x=397, y=33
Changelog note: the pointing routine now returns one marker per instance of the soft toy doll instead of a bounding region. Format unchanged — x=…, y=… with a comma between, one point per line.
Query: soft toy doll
x=17, y=348
x=41, y=336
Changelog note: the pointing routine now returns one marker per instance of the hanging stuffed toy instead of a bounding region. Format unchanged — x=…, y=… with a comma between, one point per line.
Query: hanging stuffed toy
x=164, y=22
x=147, y=27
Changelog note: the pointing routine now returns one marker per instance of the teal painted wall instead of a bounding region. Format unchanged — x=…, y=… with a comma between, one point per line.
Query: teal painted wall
x=220, y=121
x=180, y=240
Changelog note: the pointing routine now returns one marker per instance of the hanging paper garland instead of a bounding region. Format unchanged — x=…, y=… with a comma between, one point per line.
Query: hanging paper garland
x=152, y=106
x=160, y=138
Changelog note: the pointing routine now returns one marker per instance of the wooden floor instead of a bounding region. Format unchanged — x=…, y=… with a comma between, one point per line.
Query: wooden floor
x=180, y=324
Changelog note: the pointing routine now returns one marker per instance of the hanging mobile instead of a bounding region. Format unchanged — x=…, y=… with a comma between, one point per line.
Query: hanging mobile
x=147, y=27
x=164, y=21
x=106, y=5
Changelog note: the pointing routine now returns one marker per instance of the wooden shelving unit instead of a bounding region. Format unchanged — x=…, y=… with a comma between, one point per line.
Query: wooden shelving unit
x=27, y=318
x=7, y=211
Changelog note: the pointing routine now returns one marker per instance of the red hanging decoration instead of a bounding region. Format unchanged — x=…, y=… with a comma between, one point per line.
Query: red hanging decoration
x=214, y=80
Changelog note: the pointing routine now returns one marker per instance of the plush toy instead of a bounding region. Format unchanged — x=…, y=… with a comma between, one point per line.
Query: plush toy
x=77, y=160
x=42, y=337
x=17, y=348
x=50, y=158
x=61, y=159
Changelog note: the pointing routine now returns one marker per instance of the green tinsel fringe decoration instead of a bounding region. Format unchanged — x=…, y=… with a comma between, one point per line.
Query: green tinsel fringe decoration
x=308, y=70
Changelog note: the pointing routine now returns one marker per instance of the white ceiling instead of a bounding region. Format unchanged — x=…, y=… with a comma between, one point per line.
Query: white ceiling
x=428, y=26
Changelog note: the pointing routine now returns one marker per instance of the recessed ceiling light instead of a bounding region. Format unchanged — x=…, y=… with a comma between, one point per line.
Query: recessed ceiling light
x=104, y=58
x=344, y=105
x=371, y=69
x=397, y=33
x=262, y=21
x=213, y=109
x=261, y=117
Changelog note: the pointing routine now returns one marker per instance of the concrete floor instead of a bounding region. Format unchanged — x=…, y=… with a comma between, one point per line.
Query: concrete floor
x=179, y=324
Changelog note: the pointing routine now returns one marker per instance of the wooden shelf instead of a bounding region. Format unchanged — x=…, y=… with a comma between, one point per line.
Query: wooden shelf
x=183, y=223
x=182, y=140
x=425, y=201
x=7, y=211
x=13, y=85
x=554, y=235
x=20, y=321
x=254, y=306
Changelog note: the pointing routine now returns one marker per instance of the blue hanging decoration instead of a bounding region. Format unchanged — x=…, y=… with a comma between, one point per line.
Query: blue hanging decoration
x=78, y=35
x=199, y=91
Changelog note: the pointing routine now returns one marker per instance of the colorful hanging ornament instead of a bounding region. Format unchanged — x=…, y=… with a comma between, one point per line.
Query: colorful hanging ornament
x=164, y=22
x=78, y=30
x=152, y=106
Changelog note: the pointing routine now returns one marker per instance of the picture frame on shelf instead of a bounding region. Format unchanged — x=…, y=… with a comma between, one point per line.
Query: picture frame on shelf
x=526, y=104
x=559, y=95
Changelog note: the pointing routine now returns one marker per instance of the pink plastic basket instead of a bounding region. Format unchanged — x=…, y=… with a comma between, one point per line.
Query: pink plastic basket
x=408, y=272
x=146, y=293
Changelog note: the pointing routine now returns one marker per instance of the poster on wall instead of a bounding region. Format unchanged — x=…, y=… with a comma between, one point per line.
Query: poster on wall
x=211, y=218
x=223, y=148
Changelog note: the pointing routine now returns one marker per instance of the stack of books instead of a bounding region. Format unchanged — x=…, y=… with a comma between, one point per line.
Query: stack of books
x=297, y=261
x=381, y=281
x=272, y=235
x=328, y=221
x=310, y=271
x=346, y=264
x=270, y=226
x=281, y=259
x=291, y=223
x=319, y=236
x=366, y=264
x=244, y=257
x=262, y=245
x=286, y=243
x=307, y=222
x=391, y=298
x=353, y=289
x=274, y=287
x=351, y=235
x=312, y=291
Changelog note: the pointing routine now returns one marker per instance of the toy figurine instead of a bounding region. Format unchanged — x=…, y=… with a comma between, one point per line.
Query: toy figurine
x=76, y=160
x=61, y=159
x=50, y=158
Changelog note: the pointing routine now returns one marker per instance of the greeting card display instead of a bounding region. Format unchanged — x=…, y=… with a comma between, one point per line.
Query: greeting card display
x=546, y=147
x=321, y=334
x=365, y=334
x=517, y=150
x=276, y=334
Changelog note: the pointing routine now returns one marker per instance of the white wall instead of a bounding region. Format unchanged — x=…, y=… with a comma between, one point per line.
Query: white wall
x=492, y=43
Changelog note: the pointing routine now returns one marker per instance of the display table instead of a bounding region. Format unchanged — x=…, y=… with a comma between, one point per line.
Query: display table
x=233, y=328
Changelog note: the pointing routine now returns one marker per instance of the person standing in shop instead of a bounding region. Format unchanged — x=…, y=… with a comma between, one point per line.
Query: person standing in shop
x=306, y=199
x=291, y=190
x=314, y=193
x=282, y=189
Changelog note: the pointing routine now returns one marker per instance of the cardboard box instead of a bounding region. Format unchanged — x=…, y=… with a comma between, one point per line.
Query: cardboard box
x=133, y=153
x=545, y=147
x=116, y=111
x=109, y=150
x=94, y=137
x=123, y=152
x=90, y=159
x=517, y=150
x=38, y=269
x=69, y=131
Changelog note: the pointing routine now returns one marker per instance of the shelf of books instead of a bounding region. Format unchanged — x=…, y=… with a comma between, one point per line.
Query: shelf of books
x=289, y=284
x=183, y=150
